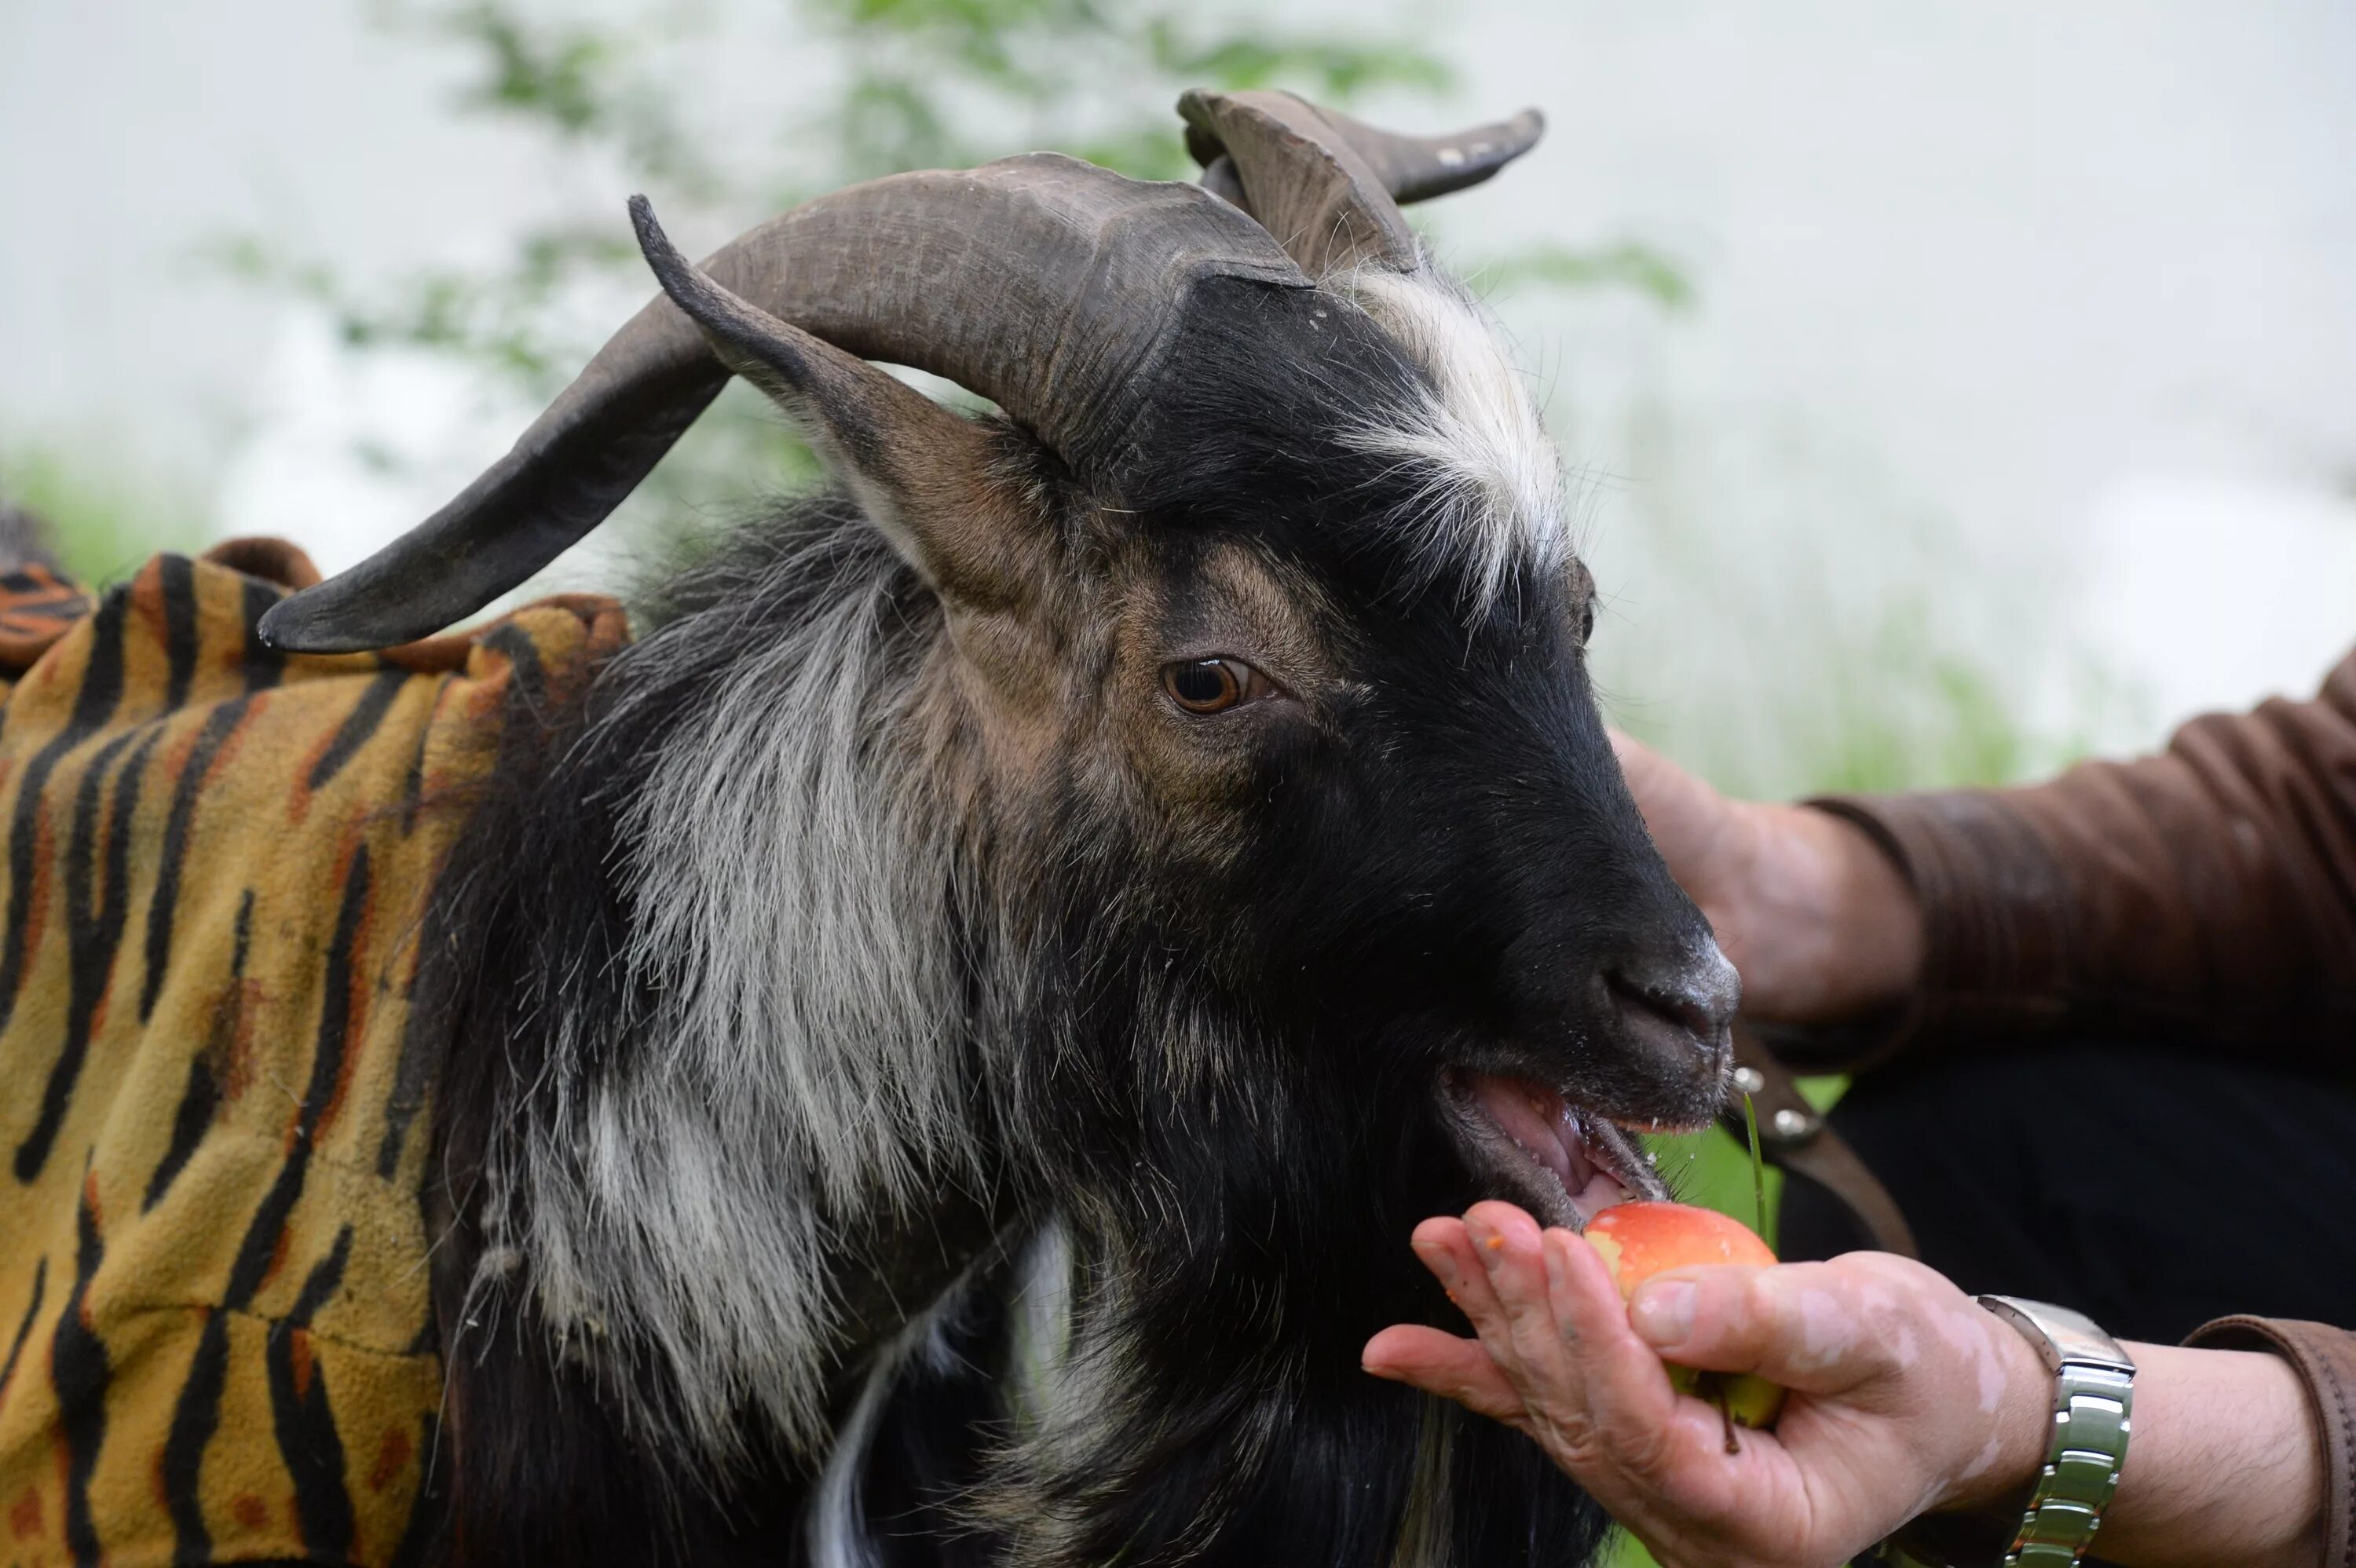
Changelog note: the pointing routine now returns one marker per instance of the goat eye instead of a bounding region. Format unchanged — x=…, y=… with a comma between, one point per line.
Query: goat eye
x=1211, y=686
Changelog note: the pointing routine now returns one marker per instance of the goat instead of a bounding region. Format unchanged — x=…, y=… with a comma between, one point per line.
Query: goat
x=938, y=1046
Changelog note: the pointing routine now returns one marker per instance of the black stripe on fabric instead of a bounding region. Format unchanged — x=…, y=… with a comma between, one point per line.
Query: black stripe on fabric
x=198, y=1101
x=195, y=1418
x=79, y=1371
x=179, y=575
x=198, y=1412
x=410, y=1075
x=412, y=782
x=244, y=942
x=129, y=781
x=94, y=704
x=308, y=1443
x=57, y=607
x=253, y=1255
x=530, y=679
x=91, y=941
x=201, y=1098
x=32, y=1310
x=164, y=903
x=262, y=663
x=358, y=726
x=420, y=1539
x=319, y=1286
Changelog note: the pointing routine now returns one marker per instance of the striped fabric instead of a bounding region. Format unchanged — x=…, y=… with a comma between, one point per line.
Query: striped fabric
x=216, y=1342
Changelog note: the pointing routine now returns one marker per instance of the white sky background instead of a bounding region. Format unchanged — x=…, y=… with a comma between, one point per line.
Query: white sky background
x=2032, y=323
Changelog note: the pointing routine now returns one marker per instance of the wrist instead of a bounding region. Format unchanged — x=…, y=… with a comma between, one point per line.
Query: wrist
x=1995, y=1479
x=1841, y=932
x=2226, y=1464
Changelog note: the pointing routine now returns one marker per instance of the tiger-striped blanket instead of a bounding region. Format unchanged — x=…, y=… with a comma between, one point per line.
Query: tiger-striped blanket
x=214, y=1309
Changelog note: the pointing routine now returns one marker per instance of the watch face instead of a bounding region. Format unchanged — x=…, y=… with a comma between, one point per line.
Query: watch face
x=2069, y=1336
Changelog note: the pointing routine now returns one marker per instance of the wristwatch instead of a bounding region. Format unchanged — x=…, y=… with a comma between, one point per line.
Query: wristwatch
x=2093, y=1395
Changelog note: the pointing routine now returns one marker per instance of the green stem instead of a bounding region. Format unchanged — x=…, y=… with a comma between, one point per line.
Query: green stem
x=1758, y=1167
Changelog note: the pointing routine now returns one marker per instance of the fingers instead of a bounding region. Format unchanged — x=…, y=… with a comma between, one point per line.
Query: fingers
x=1493, y=1262
x=1558, y=1360
x=1625, y=1389
x=1495, y=1290
x=1562, y=1359
x=1523, y=1330
x=1814, y=1327
x=1559, y=1331
x=1445, y=1365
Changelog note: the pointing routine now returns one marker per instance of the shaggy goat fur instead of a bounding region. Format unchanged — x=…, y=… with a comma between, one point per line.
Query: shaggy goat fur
x=874, y=1136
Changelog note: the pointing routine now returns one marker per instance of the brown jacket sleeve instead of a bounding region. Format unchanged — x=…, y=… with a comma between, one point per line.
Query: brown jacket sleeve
x=2326, y=1360
x=2206, y=894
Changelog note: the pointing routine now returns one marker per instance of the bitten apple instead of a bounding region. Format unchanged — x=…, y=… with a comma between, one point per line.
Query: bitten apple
x=1638, y=1241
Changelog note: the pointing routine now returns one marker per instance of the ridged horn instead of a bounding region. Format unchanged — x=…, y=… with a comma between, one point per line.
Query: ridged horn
x=1044, y=284
x=1329, y=187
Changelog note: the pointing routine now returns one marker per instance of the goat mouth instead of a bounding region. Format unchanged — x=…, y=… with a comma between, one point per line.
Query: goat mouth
x=1562, y=1162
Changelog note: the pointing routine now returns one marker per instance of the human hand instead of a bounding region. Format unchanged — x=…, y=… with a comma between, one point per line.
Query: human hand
x=1815, y=917
x=1905, y=1395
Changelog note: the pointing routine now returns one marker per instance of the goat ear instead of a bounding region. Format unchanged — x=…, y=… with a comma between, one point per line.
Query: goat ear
x=922, y=474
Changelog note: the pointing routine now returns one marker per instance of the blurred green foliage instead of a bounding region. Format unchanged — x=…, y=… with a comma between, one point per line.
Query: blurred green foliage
x=101, y=520
x=1627, y=265
x=904, y=84
x=881, y=85
x=1895, y=704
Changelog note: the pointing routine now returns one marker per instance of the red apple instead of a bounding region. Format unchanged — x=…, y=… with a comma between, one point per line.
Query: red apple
x=1638, y=1241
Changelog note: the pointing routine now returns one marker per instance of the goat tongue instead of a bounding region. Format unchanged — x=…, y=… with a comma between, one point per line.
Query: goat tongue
x=1541, y=1122
x=1545, y=1128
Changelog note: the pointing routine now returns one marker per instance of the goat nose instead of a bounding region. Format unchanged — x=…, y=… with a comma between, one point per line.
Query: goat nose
x=1698, y=992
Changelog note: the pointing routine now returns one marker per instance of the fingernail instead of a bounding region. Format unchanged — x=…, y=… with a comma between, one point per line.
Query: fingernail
x=1664, y=1313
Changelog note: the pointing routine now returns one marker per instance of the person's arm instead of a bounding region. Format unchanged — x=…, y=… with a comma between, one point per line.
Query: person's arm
x=1819, y=920
x=1907, y=1397
x=2207, y=893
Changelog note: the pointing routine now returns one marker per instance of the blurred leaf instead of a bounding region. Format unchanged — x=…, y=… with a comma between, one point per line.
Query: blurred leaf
x=556, y=71
x=1625, y=265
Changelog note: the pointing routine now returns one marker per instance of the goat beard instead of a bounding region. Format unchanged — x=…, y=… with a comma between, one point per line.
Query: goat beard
x=1203, y=1401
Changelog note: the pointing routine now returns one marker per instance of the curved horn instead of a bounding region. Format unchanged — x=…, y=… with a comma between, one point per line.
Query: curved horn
x=1044, y=284
x=1329, y=187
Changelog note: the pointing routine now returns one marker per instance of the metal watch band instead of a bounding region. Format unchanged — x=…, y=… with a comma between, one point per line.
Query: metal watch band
x=2093, y=1397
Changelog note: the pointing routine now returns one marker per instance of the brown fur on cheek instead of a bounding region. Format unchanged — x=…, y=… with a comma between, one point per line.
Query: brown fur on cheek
x=999, y=665
x=997, y=714
x=1189, y=778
